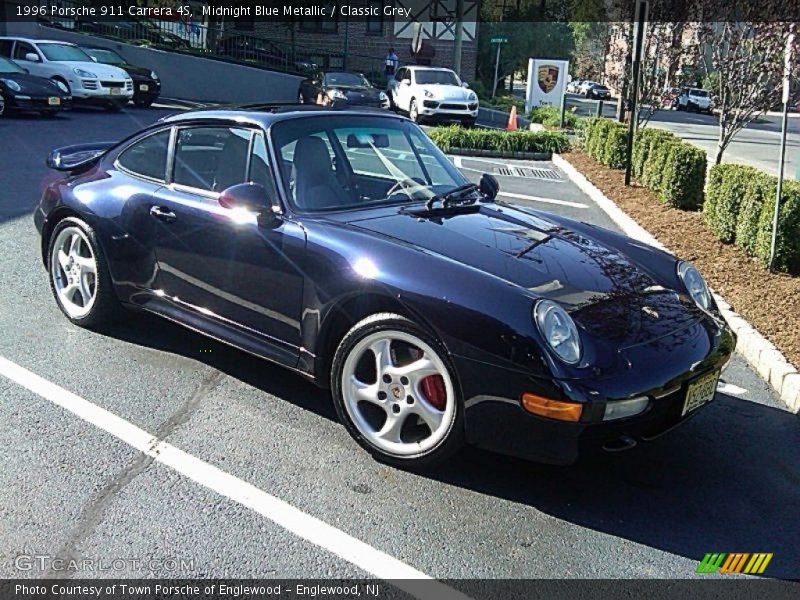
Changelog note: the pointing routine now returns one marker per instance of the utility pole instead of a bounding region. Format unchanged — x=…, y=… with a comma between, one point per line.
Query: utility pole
x=640, y=21
x=459, y=37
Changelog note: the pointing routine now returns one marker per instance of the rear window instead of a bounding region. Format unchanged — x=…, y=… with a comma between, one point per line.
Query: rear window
x=699, y=93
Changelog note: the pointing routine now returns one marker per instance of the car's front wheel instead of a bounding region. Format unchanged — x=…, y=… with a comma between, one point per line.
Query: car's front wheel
x=413, y=111
x=396, y=392
x=79, y=276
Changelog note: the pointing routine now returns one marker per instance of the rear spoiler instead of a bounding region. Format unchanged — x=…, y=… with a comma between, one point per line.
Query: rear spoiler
x=77, y=157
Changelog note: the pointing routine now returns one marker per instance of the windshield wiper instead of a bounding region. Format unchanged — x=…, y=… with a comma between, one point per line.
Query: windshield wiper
x=446, y=197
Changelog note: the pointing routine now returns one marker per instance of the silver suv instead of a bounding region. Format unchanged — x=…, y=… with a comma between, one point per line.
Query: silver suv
x=694, y=99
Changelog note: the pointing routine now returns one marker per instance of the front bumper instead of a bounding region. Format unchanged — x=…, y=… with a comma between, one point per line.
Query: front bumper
x=495, y=419
x=146, y=89
x=96, y=91
x=448, y=111
x=31, y=102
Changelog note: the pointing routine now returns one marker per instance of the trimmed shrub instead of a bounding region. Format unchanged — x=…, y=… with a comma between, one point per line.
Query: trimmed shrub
x=684, y=176
x=616, y=146
x=759, y=189
x=656, y=162
x=498, y=140
x=643, y=142
x=727, y=186
x=596, y=129
x=787, y=246
x=550, y=117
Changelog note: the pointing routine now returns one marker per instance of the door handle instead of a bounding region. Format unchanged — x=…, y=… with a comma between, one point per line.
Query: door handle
x=163, y=214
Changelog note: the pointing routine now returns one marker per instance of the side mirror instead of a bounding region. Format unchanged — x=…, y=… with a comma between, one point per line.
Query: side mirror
x=406, y=82
x=32, y=57
x=488, y=186
x=250, y=197
x=464, y=84
x=94, y=58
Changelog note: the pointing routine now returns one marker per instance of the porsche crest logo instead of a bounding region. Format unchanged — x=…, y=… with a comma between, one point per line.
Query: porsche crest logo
x=548, y=77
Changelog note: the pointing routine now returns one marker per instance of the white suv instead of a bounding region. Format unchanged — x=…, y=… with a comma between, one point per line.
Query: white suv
x=694, y=99
x=428, y=93
x=88, y=81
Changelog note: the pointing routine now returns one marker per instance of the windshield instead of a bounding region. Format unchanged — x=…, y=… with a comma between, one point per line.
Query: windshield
x=108, y=57
x=337, y=162
x=436, y=78
x=699, y=93
x=61, y=52
x=346, y=79
x=9, y=66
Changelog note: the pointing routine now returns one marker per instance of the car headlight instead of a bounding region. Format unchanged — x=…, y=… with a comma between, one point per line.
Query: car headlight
x=472, y=96
x=61, y=86
x=383, y=97
x=153, y=75
x=336, y=95
x=558, y=329
x=695, y=285
x=82, y=73
x=428, y=93
x=11, y=84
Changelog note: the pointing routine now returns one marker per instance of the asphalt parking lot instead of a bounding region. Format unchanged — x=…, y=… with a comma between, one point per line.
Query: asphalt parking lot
x=727, y=481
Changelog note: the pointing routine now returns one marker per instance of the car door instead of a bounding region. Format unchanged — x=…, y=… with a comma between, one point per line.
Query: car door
x=21, y=50
x=218, y=263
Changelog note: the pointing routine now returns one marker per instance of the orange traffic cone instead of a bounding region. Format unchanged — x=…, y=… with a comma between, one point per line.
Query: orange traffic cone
x=512, y=119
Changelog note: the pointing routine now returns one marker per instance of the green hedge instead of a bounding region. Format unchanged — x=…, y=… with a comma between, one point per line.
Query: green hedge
x=670, y=167
x=498, y=140
x=550, y=116
x=740, y=206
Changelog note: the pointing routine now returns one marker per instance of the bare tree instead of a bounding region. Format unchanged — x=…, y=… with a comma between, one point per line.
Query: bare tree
x=745, y=62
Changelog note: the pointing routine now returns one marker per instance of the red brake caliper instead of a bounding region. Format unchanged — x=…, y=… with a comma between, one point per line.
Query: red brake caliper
x=433, y=388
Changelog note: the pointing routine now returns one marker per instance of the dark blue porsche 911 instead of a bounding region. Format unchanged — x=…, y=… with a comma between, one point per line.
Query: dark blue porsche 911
x=345, y=246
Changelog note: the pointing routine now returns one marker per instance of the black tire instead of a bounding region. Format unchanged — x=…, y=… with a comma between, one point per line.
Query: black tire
x=143, y=102
x=107, y=307
x=413, y=112
x=452, y=441
x=468, y=123
x=113, y=107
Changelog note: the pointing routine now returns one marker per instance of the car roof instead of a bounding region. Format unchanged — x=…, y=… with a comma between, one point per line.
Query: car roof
x=266, y=114
x=36, y=41
x=423, y=68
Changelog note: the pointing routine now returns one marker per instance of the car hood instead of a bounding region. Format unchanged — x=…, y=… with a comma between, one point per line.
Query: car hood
x=448, y=92
x=606, y=293
x=33, y=85
x=136, y=72
x=108, y=72
x=357, y=91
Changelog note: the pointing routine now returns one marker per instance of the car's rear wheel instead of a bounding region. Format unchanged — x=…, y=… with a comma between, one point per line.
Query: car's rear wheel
x=396, y=392
x=79, y=276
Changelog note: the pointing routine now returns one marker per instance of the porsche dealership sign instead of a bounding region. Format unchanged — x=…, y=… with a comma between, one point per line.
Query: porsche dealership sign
x=546, y=82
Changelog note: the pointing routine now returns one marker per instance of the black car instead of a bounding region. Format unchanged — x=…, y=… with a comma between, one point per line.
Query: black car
x=598, y=91
x=266, y=52
x=146, y=84
x=24, y=92
x=345, y=246
x=341, y=88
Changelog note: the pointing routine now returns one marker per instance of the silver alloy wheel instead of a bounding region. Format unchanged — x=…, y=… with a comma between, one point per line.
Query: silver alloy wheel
x=413, y=114
x=73, y=268
x=397, y=393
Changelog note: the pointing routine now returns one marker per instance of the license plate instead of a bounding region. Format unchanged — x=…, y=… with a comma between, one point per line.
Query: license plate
x=144, y=88
x=700, y=392
x=53, y=101
x=116, y=91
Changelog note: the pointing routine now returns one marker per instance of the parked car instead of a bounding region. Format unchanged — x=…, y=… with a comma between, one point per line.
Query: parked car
x=86, y=81
x=22, y=91
x=2, y=106
x=345, y=246
x=433, y=94
x=693, y=99
x=244, y=47
x=596, y=91
x=137, y=30
x=146, y=84
x=341, y=88
x=573, y=87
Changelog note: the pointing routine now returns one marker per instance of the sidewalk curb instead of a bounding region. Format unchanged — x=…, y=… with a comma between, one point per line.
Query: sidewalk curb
x=762, y=355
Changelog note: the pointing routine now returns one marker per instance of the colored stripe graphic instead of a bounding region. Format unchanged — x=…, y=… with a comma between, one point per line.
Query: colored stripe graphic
x=758, y=563
x=710, y=563
x=735, y=562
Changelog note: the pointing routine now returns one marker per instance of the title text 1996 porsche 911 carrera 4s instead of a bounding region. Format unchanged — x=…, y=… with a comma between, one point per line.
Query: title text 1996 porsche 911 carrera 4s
x=344, y=245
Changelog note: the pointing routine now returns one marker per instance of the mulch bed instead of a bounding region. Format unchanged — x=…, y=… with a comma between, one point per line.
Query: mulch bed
x=769, y=302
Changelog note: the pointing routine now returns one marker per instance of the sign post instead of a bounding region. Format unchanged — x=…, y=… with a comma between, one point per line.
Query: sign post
x=787, y=84
x=499, y=41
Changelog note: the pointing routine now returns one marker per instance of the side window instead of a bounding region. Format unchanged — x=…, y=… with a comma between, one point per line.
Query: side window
x=21, y=49
x=260, y=171
x=211, y=158
x=5, y=48
x=147, y=157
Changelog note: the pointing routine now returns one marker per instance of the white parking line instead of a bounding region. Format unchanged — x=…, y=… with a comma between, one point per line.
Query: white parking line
x=729, y=388
x=541, y=199
x=364, y=556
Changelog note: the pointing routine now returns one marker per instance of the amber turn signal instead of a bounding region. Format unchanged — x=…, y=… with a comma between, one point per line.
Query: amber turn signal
x=552, y=409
